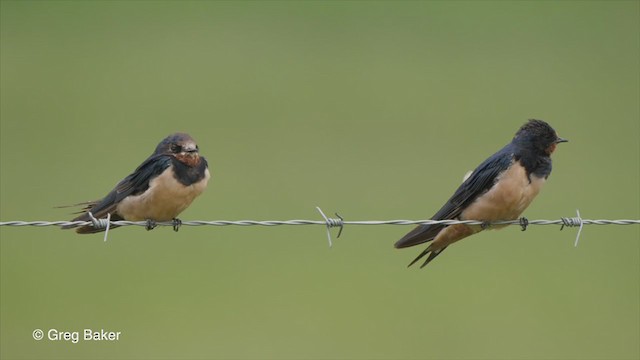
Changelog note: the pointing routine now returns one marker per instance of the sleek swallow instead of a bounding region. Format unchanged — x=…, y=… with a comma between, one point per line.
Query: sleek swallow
x=160, y=188
x=500, y=188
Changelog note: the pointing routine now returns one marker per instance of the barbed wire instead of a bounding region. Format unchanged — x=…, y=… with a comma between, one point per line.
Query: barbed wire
x=328, y=222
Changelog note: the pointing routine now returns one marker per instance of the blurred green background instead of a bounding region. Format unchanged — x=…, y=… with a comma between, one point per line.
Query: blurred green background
x=372, y=109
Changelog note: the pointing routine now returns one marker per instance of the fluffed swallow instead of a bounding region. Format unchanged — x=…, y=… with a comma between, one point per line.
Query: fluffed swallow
x=160, y=188
x=500, y=188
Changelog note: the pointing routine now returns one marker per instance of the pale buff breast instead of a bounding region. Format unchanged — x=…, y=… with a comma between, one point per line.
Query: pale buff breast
x=163, y=201
x=506, y=200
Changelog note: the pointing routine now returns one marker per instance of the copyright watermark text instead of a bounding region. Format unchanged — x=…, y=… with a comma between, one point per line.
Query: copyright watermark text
x=76, y=336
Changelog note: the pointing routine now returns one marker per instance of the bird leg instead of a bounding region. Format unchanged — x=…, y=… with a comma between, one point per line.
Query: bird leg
x=176, y=224
x=485, y=225
x=150, y=225
x=524, y=222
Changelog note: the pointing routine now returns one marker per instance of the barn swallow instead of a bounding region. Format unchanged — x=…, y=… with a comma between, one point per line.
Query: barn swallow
x=160, y=188
x=500, y=188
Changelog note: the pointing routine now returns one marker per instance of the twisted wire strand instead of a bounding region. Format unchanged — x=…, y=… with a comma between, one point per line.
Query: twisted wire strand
x=339, y=222
x=569, y=222
x=328, y=222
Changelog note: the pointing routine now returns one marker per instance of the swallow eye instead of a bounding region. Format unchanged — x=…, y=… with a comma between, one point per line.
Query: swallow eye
x=175, y=148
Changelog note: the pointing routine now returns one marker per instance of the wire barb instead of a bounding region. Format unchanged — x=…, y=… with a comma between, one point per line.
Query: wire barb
x=331, y=222
x=101, y=223
x=571, y=222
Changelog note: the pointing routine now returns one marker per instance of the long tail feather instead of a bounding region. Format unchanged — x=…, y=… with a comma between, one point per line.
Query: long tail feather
x=432, y=255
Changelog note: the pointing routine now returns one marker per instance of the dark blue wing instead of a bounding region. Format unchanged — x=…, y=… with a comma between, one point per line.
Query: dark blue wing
x=134, y=184
x=480, y=181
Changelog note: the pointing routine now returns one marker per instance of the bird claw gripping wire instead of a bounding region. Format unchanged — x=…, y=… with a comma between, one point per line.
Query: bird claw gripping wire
x=574, y=221
x=150, y=225
x=176, y=224
x=331, y=222
x=524, y=222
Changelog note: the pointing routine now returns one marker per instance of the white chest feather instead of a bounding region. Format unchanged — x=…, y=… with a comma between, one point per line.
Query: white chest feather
x=164, y=200
x=508, y=198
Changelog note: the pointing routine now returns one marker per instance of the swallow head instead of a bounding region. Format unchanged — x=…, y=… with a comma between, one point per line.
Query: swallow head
x=182, y=147
x=538, y=136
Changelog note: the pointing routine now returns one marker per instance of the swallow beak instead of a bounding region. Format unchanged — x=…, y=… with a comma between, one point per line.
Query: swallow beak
x=190, y=149
x=561, y=140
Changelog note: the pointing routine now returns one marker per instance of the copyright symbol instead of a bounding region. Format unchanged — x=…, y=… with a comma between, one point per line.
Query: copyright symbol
x=38, y=334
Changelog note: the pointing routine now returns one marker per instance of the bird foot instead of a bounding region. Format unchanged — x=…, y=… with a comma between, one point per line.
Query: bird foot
x=524, y=222
x=485, y=225
x=150, y=225
x=176, y=224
